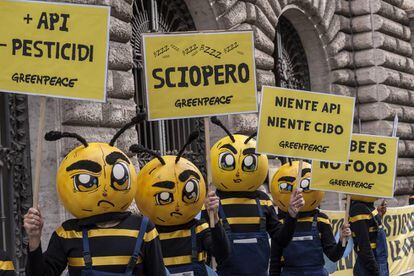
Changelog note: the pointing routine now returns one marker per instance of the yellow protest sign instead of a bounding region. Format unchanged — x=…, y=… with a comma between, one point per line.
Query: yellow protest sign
x=305, y=124
x=54, y=49
x=199, y=74
x=370, y=171
x=399, y=228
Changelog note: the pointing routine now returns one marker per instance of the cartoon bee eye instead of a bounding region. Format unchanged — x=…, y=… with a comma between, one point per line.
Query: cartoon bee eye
x=164, y=198
x=227, y=161
x=85, y=182
x=285, y=187
x=191, y=191
x=249, y=163
x=305, y=184
x=120, y=180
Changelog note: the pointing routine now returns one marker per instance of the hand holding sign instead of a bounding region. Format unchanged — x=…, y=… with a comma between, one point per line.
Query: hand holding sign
x=345, y=231
x=296, y=203
x=382, y=209
x=212, y=203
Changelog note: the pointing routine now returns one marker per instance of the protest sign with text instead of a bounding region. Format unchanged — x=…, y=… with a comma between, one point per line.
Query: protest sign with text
x=370, y=170
x=199, y=74
x=305, y=124
x=399, y=227
x=54, y=49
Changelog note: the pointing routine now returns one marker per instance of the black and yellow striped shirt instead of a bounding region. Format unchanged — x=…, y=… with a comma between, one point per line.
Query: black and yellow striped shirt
x=110, y=248
x=176, y=242
x=364, y=232
x=6, y=265
x=243, y=215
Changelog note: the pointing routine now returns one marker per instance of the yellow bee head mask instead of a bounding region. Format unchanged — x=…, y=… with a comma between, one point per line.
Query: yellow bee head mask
x=235, y=165
x=284, y=182
x=95, y=178
x=171, y=189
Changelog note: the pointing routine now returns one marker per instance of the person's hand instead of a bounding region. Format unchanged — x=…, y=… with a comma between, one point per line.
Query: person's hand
x=345, y=231
x=382, y=209
x=211, y=203
x=296, y=203
x=33, y=224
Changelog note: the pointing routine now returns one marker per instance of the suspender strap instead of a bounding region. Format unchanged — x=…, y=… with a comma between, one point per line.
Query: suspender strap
x=261, y=215
x=138, y=244
x=223, y=217
x=194, y=251
x=315, y=225
x=86, y=250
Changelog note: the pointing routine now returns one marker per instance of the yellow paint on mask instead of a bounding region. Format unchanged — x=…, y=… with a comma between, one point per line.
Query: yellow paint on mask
x=96, y=179
x=170, y=194
x=284, y=182
x=235, y=165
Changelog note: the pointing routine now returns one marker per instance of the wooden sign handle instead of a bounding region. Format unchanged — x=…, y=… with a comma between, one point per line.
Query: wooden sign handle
x=298, y=178
x=208, y=165
x=39, y=151
x=346, y=219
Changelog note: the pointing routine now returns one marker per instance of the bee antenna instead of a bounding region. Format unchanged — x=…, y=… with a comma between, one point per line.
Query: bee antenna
x=134, y=121
x=56, y=135
x=283, y=160
x=193, y=136
x=217, y=122
x=290, y=161
x=136, y=148
x=250, y=137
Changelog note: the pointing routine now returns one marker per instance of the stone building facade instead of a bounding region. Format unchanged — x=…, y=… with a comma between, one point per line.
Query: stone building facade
x=359, y=48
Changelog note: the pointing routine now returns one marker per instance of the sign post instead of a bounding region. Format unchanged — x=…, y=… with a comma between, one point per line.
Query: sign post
x=200, y=75
x=305, y=125
x=53, y=50
x=39, y=152
x=370, y=171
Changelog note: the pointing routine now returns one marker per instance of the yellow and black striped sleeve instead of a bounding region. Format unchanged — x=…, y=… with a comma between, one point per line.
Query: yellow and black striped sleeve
x=332, y=249
x=281, y=233
x=111, y=250
x=6, y=265
x=361, y=221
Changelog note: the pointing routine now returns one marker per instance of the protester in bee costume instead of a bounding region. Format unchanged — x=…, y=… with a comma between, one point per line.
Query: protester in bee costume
x=313, y=234
x=172, y=191
x=370, y=243
x=96, y=183
x=6, y=265
x=248, y=215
